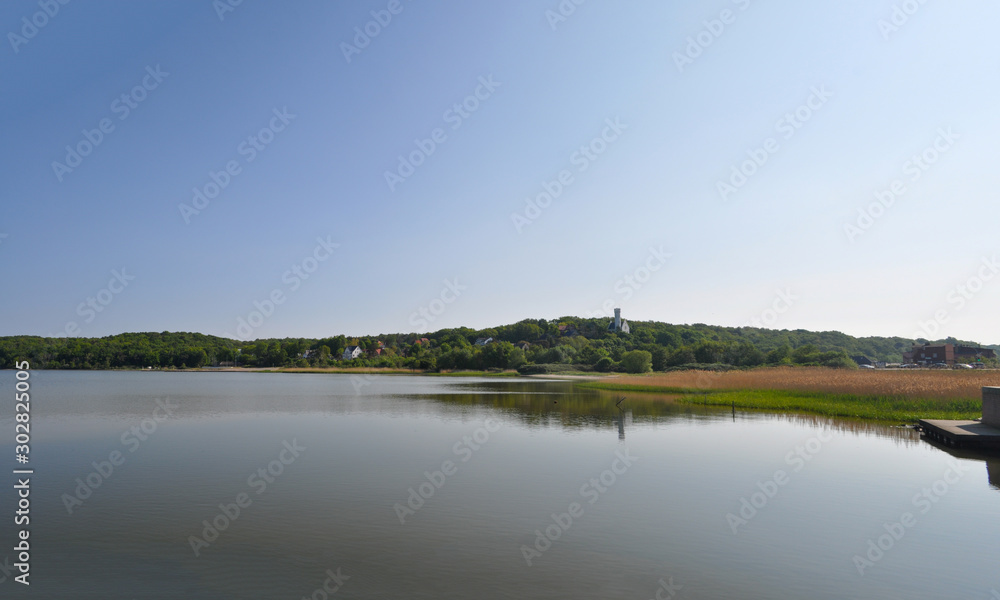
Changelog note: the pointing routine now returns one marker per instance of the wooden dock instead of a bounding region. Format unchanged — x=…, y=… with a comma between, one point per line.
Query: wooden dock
x=962, y=434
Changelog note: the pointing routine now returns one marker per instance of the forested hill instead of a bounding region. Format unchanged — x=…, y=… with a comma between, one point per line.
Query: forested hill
x=570, y=340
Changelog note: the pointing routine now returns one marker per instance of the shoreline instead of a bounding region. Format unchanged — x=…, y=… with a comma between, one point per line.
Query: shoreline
x=779, y=396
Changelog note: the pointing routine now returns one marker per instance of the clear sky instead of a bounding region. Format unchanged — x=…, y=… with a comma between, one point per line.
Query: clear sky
x=411, y=152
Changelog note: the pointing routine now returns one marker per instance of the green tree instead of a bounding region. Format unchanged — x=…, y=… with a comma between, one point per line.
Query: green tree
x=680, y=356
x=659, y=355
x=559, y=354
x=496, y=355
x=589, y=355
x=744, y=354
x=780, y=355
x=837, y=359
x=604, y=364
x=637, y=361
x=709, y=352
x=516, y=358
x=804, y=355
x=459, y=358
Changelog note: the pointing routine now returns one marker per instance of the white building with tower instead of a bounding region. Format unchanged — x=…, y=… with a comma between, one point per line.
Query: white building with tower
x=618, y=324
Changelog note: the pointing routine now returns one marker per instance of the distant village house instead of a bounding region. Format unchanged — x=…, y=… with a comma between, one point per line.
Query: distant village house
x=568, y=330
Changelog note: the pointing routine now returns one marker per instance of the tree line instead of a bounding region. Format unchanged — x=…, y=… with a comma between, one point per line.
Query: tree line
x=569, y=343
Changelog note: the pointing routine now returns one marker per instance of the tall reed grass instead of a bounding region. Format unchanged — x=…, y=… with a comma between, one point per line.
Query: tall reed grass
x=900, y=396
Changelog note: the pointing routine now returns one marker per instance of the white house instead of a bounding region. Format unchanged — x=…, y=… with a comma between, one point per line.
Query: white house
x=352, y=352
x=619, y=324
x=483, y=341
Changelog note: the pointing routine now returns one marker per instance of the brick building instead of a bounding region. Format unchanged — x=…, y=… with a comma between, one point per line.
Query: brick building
x=949, y=354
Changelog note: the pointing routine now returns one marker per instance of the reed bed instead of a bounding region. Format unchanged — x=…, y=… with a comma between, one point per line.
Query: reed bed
x=914, y=384
x=898, y=396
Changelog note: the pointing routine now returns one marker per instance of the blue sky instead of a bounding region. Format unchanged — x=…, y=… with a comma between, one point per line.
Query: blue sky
x=837, y=97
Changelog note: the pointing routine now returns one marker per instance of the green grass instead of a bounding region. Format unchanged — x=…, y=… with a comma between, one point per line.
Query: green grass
x=475, y=374
x=634, y=387
x=387, y=371
x=899, y=409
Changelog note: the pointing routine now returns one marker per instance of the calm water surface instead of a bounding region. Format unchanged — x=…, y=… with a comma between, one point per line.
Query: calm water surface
x=332, y=470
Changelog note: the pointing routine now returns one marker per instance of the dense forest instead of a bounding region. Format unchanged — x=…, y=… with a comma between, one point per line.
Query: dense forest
x=531, y=345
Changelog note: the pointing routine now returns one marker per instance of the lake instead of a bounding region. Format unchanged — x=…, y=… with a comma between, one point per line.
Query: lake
x=261, y=485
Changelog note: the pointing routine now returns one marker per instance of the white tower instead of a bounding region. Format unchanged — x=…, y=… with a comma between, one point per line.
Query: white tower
x=618, y=319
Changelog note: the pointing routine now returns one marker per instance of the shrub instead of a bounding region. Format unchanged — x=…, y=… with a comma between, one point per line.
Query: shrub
x=604, y=364
x=550, y=368
x=637, y=361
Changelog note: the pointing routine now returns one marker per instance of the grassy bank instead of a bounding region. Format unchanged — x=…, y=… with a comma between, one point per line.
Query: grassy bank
x=897, y=408
x=474, y=374
x=387, y=371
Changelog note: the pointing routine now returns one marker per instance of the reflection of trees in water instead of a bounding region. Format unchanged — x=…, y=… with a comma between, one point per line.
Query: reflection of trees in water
x=560, y=404
x=906, y=436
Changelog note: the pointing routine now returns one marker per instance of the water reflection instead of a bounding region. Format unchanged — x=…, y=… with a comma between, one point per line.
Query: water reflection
x=992, y=460
x=547, y=403
x=899, y=434
x=370, y=444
